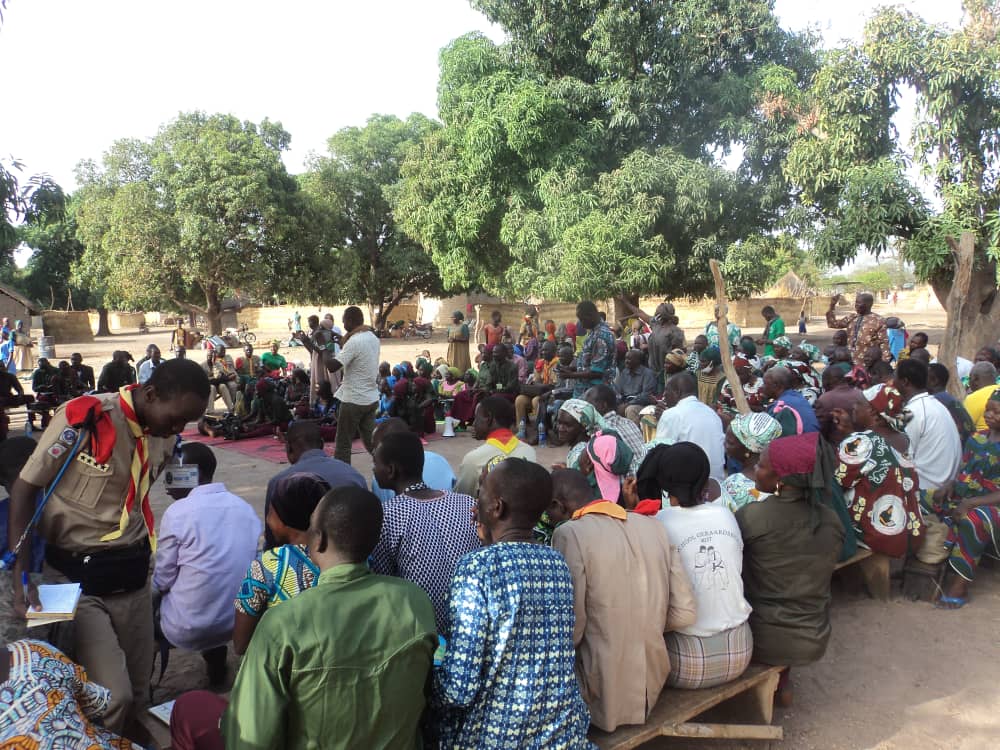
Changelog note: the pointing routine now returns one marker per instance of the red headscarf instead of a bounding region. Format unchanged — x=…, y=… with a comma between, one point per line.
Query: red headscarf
x=795, y=454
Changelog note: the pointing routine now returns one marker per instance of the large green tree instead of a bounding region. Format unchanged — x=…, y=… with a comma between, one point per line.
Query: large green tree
x=852, y=171
x=204, y=209
x=587, y=156
x=55, y=249
x=364, y=255
x=35, y=199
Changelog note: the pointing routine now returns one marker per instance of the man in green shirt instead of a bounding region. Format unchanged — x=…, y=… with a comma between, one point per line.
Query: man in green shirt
x=499, y=375
x=774, y=328
x=342, y=665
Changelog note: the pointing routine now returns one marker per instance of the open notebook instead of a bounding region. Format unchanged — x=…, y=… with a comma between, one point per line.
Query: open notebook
x=59, y=603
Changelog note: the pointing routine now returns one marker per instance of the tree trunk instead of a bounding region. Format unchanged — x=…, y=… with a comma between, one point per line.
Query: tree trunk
x=973, y=314
x=213, y=310
x=392, y=304
x=621, y=311
x=103, y=326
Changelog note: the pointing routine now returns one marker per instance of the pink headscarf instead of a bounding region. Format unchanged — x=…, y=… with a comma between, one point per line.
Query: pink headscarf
x=603, y=453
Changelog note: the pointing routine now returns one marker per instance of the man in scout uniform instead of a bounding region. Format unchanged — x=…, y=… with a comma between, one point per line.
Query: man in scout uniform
x=98, y=524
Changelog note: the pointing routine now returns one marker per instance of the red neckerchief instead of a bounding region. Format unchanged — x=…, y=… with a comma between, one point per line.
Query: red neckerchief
x=86, y=412
x=648, y=507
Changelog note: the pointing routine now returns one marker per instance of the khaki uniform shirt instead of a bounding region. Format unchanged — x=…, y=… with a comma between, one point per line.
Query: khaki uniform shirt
x=629, y=588
x=87, y=503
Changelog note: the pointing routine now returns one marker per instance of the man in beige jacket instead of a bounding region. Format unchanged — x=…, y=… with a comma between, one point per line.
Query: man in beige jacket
x=629, y=589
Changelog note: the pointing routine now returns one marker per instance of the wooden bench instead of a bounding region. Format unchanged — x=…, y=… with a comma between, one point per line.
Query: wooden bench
x=874, y=570
x=748, y=700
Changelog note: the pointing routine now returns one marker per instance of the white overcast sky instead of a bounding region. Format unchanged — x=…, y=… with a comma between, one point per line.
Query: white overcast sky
x=81, y=74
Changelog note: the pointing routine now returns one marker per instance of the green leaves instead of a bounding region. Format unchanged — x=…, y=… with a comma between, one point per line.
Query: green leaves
x=204, y=209
x=362, y=253
x=854, y=172
x=582, y=158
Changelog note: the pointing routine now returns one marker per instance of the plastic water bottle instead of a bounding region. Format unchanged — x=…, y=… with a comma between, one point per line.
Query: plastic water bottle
x=543, y=439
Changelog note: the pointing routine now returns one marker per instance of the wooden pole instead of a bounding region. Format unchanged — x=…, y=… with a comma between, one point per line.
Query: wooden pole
x=963, y=251
x=722, y=322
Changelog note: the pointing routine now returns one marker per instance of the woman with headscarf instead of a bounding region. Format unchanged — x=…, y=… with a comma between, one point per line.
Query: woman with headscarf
x=711, y=376
x=880, y=482
x=574, y=423
x=792, y=542
x=749, y=349
x=605, y=461
x=571, y=336
x=22, y=348
x=747, y=437
x=973, y=502
x=413, y=402
x=751, y=383
x=458, y=342
x=717, y=648
x=451, y=385
x=527, y=337
x=278, y=574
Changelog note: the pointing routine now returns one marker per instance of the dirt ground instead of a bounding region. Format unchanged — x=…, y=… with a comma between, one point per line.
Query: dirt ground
x=896, y=675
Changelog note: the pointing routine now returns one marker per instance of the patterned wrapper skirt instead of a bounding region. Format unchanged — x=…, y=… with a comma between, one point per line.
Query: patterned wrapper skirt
x=697, y=662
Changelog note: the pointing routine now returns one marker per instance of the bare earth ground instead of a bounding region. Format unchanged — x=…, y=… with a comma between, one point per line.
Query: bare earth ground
x=896, y=675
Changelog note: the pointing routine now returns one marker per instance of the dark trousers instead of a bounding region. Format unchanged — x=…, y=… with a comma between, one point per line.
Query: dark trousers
x=352, y=418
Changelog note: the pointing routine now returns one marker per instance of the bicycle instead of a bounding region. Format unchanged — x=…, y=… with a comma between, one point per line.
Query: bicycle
x=245, y=336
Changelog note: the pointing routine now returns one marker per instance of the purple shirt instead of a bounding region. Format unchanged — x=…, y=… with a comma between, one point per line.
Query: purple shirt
x=206, y=543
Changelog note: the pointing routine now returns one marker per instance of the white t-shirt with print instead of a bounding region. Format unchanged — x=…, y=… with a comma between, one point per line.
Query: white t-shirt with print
x=710, y=545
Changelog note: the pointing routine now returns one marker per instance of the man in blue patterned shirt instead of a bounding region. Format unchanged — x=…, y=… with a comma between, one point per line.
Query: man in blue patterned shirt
x=596, y=363
x=507, y=679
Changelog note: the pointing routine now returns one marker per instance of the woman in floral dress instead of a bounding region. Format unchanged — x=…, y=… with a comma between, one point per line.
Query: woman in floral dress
x=976, y=514
x=879, y=480
x=47, y=703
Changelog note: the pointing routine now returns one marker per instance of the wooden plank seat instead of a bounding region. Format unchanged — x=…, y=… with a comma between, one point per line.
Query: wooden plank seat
x=873, y=569
x=741, y=709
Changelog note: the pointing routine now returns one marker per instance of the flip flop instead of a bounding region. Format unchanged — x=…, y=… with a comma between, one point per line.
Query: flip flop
x=958, y=601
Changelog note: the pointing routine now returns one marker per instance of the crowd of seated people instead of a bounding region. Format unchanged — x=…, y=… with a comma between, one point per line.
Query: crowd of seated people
x=477, y=608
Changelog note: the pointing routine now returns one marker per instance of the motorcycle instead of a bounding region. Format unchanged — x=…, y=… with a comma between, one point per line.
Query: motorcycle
x=423, y=330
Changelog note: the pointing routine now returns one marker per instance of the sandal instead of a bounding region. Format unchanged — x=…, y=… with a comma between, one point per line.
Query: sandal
x=957, y=601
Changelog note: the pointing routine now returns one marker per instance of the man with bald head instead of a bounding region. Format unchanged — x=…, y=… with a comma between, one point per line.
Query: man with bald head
x=982, y=384
x=864, y=328
x=304, y=449
x=787, y=405
x=688, y=419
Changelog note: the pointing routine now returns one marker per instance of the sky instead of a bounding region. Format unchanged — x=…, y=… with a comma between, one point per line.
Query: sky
x=80, y=75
